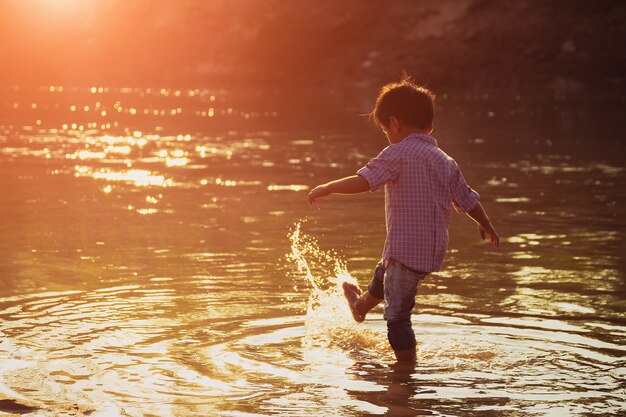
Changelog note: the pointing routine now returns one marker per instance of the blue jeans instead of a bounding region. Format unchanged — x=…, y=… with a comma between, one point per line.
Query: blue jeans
x=398, y=286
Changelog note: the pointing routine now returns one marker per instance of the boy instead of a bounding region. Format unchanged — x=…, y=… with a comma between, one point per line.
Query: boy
x=422, y=183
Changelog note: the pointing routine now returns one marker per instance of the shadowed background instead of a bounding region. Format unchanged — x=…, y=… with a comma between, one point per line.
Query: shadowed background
x=535, y=47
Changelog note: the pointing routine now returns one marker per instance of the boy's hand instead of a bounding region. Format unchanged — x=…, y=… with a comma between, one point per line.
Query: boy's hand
x=484, y=225
x=318, y=192
x=489, y=230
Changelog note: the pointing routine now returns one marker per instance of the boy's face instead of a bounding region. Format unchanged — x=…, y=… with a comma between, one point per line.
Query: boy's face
x=396, y=131
x=391, y=136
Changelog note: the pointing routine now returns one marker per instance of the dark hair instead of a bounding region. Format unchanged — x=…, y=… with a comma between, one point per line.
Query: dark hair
x=411, y=104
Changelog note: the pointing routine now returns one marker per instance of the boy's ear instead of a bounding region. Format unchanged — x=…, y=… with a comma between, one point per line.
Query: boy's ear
x=431, y=128
x=394, y=123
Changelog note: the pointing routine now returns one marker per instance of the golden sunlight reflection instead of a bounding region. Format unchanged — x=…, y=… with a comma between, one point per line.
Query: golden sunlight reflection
x=289, y=187
x=175, y=158
x=145, y=211
x=137, y=177
x=225, y=183
x=102, y=147
x=153, y=200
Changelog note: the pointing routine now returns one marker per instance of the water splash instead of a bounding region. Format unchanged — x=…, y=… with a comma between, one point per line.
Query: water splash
x=307, y=255
x=328, y=322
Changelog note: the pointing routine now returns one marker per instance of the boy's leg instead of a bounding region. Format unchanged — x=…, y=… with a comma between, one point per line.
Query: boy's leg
x=400, y=291
x=361, y=303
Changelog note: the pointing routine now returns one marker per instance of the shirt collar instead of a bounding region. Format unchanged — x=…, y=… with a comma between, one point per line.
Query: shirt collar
x=423, y=136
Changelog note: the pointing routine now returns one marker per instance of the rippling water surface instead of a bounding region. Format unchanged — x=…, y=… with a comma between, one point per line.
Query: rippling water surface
x=162, y=271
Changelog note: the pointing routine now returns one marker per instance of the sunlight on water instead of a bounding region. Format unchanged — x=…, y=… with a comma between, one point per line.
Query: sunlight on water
x=137, y=177
x=291, y=187
x=144, y=272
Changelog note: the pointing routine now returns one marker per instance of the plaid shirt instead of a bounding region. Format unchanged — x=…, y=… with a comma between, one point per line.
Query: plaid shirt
x=422, y=183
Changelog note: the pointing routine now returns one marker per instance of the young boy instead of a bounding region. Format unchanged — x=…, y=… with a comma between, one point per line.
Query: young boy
x=422, y=183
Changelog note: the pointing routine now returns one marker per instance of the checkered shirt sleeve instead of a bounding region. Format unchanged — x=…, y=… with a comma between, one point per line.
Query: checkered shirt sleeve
x=463, y=197
x=382, y=169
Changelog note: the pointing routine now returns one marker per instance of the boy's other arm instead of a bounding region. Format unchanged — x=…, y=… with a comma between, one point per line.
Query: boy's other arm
x=484, y=225
x=349, y=185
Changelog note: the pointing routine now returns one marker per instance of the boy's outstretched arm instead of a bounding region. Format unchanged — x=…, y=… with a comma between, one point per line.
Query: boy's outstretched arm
x=484, y=225
x=349, y=185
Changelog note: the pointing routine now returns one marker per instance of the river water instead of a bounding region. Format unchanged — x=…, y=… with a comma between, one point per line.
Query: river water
x=153, y=269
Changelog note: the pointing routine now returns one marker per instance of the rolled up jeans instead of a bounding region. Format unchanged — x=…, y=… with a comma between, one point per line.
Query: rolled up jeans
x=397, y=284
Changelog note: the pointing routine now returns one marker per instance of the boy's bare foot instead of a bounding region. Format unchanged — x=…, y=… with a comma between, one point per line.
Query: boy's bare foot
x=353, y=295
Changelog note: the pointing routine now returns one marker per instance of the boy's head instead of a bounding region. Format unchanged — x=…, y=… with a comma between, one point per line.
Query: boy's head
x=405, y=104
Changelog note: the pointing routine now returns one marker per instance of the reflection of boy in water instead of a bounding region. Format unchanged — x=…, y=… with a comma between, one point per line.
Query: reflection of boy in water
x=422, y=183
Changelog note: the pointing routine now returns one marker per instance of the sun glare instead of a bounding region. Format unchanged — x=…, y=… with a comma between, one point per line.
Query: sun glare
x=57, y=4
